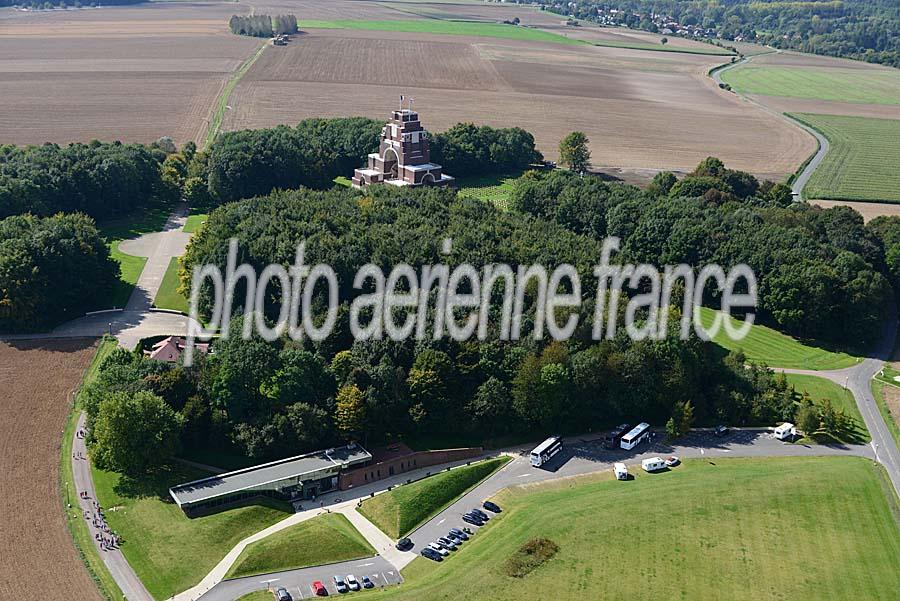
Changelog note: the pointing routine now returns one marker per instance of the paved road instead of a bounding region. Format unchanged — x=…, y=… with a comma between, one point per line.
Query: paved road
x=801, y=180
x=298, y=582
x=586, y=455
x=115, y=561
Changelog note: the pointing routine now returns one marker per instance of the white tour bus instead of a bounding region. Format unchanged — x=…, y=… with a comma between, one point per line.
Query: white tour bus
x=637, y=435
x=544, y=451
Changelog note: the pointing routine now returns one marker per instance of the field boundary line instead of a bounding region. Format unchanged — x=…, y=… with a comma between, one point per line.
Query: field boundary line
x=214, y=123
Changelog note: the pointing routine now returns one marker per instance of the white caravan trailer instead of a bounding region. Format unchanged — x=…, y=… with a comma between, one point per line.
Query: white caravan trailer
x=785, y=431
x=653, y=464
x=621, y=471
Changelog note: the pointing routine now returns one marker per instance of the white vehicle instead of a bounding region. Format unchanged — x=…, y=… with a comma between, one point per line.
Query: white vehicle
x=653, y=464
x=785, y=431
x=636, y=436
x=621, y=471
x=444, y=552
x=544, y=451
x=352, y=582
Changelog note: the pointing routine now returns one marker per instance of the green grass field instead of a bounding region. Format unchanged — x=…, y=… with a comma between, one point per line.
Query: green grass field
x=327, y=538
x=168, y=296
x=130, y=268
x=169, y=551
x=820, y=389
x=738, y=529
x=858, y=165
x=471, y=28
x=494, y=189
x=841, y=85
x=194, y=221
x=74, y=520
x=402, y=510
x=257, y=596
x=765, y=345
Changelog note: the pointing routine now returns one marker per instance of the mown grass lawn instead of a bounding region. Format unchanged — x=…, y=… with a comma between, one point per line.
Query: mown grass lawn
x=257, y=596
x=169, y=551
x=472, y=28
x=494, y=189
x=168, y=296
x=765, y=345
x=405, y=508
x=820, y=389
x=875, y=86
x=194, y=221
x=327, y=538
x=738, y=529
x=858, y=164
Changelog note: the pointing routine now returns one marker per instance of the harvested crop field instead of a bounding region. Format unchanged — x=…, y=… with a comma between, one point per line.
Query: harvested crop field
x=868, y=210
x=640, y=109
x=133, y=74
x=36, y=378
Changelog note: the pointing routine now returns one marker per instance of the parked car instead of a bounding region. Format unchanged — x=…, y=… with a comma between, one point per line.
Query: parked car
x=484, y=517
x=490, y=506
x=404, y=544
x=473, y=519
x=672, y=461
x=721, y=431
x=367, y=583
x=282, y=594
x=319, y=589
x=455, y=539
x=432, y=554
x=447, y=543
x=352, y=582
x=439, y=549
x=340, y=585
x=459, y=534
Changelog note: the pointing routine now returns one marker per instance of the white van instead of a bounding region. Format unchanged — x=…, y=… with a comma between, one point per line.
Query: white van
x=785, y=431
x=621, y=471
x=653, y=464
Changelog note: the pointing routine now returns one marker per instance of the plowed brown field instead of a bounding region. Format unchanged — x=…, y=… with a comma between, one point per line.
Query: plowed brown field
x=36, y=379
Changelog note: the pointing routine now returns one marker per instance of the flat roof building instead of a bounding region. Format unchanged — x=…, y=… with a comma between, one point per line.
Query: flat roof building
x=301, y=477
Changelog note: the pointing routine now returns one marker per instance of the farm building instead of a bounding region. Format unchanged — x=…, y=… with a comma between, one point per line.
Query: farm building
x=403, y=158
x=301, y=477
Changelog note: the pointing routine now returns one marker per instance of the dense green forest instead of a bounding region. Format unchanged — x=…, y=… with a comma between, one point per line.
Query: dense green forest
x=866, y=30
x=51, y=269
x=263, y=26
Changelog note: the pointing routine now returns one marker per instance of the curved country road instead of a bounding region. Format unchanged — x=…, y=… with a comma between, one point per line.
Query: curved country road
x=802, y=178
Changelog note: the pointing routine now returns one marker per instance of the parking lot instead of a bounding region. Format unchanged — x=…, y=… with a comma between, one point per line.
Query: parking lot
x=299, y=582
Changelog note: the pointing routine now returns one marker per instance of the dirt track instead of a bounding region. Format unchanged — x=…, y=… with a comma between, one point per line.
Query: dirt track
x=38, y=556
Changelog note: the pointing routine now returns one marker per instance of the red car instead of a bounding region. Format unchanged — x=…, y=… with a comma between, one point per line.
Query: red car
x=319, y=589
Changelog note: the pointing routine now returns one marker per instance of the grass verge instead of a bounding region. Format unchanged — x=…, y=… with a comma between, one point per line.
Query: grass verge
x=169, y=551
x=168, y=296
x=820, y=389
x=257, y=596
x=469, y=28
x=215, y=121
x=405, y=508
x=758, y=528
x=856, y=165
x=765, y=345
x=328, y=538
x=81, y=536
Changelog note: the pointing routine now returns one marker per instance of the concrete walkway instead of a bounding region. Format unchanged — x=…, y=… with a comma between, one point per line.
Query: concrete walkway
x=115, y=561
x=382, y=543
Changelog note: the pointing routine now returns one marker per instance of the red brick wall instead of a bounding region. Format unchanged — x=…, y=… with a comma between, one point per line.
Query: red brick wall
x=378, y=471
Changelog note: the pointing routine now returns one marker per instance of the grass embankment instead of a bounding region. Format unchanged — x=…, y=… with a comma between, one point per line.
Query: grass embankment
x=257, y=596
x=470, y=28
x=405, y=508
x=820, y=389
x=75, y=522
x=327, y=538
x=880, y=390
x=857, y=165
x=875, y=86
x=763, y=529
x=115, y=231
x=168, y=296
x=765, y=345
x=169, y=551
